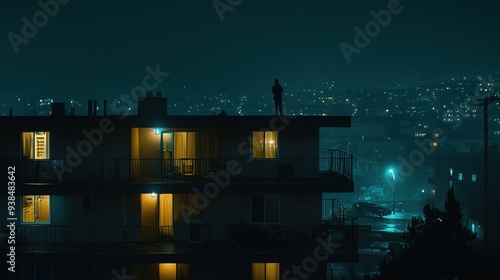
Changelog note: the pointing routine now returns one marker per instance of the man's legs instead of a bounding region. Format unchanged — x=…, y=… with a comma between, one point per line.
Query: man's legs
x=281, y=106
x=276, y=105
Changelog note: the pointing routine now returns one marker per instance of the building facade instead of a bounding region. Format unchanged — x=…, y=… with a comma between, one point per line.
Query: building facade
x=174, y=197
x=464, y=172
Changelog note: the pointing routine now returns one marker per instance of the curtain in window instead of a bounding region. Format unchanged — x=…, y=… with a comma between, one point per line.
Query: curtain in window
x=265, y=144
x=180, y=203
x=27, y=138
x=258, y=271
x=168, y=271
x=271, y=148
x=186, y=148
x=180, y=141
x=166, y=216
x=183, y=203
x=272, y=271
x=183, y=271
x=257, y=144
x=265, y=271
x=192, y=151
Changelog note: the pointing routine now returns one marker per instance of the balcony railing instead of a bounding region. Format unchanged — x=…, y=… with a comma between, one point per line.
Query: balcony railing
x=334, y=212
x=194, y=238
x=331, y=165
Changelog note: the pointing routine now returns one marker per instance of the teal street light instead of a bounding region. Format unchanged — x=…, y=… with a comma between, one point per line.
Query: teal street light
x=393, y=191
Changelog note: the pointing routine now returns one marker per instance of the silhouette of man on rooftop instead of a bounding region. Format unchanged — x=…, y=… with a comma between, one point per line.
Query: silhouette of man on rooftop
x=278, y=101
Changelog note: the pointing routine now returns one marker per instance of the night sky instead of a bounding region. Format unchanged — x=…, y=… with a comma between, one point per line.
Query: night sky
x=101, y=48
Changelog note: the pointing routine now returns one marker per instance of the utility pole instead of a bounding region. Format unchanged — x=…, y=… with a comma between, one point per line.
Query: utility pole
x=486, y=101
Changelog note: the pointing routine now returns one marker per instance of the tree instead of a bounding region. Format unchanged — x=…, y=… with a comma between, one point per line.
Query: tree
x=434, y=247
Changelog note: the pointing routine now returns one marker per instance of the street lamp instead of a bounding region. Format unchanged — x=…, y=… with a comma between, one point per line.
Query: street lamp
x=393, y=191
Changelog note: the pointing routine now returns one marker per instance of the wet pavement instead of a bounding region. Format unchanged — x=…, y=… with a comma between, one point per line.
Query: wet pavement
x=375, y=236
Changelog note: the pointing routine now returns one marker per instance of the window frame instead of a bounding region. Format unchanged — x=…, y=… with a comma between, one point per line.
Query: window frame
x=35, y=223
x=264, y=146
x=32, y=155
x=264, y=221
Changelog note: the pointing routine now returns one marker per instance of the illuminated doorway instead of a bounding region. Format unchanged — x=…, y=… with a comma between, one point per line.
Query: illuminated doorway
x=156, y=217
x=179, y=152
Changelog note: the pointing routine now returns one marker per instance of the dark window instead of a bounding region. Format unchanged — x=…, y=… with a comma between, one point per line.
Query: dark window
x=265, y=208
x=90, y=202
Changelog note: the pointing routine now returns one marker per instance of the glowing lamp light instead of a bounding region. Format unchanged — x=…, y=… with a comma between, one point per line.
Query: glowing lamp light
x=392, y=172
x=153, y=194
x=157, y=131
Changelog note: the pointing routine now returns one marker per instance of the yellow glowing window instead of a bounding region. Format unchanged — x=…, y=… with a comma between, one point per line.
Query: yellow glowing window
x=36, y=209
x=265, y=144
x=265, y=271
x=35, y=145
x=175, y=271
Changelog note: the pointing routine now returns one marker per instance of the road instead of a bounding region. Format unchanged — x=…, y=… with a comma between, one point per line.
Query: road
x=375, y=235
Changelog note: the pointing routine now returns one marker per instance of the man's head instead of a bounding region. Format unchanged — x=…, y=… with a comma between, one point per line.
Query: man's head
x=276, y=81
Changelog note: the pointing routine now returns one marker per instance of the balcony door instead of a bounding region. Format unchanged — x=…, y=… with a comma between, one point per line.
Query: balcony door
x=180, y=152
x=167, y=153
x=156, y=216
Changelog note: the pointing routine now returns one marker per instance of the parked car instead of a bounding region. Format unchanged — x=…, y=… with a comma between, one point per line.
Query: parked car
x=370, y=209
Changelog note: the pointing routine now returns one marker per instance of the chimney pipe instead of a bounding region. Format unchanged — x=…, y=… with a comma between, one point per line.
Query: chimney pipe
x=95, y=107
x=105, y=107
x=89, y=105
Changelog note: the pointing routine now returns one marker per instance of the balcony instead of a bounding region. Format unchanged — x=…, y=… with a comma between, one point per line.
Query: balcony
x=332, y=167
x=194, y=240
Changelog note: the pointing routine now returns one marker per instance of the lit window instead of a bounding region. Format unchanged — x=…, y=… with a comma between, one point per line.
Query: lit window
x=474, y=177
x=434, y=144
x=265, y=208
x=35, y=145
x=451, y=171
x=265, y=271
x=175, y=271
x=460, y=176
x=473, y=228
x=36, y=209
x=265, y=144
x=186, y=148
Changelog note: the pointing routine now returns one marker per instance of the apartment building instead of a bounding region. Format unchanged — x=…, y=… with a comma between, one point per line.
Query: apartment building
x=154, y=196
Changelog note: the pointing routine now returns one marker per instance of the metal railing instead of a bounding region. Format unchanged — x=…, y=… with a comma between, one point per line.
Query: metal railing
x=335, y=274
x=334, y=212
x=329, y=166
x=193, y=238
